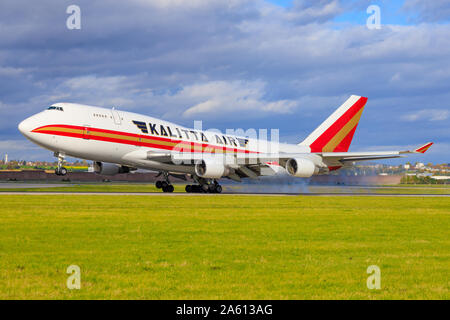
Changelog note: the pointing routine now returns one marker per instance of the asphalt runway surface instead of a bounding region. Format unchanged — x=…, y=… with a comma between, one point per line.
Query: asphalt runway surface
x=316, y=192
x=175, y=194
x=15, y=185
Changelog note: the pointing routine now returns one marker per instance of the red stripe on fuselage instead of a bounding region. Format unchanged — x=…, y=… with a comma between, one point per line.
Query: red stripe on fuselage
x=179, y=144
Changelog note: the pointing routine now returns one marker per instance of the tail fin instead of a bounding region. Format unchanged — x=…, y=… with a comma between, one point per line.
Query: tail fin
x=336, y=133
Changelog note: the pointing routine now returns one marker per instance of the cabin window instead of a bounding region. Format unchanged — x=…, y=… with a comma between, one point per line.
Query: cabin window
x=55, y=108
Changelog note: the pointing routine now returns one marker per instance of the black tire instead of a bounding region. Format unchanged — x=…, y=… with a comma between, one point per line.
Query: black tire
x=158, y=184
x=57, y=172
x=170, y=188
x=63, y=171
x=218, y=188
x=164, y=184
x=188, y=188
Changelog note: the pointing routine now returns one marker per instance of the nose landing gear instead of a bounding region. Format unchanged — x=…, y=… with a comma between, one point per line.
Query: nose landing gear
x=60, y=170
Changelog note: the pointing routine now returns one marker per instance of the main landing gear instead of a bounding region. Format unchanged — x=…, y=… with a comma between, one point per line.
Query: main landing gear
x=204, y=187
x=166, y=186
x=60, y=170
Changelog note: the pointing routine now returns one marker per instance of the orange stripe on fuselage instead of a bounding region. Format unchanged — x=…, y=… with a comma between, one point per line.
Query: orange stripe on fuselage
x=134, y=139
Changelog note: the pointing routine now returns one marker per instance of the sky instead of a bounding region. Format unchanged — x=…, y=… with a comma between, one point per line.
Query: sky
x=283, y=64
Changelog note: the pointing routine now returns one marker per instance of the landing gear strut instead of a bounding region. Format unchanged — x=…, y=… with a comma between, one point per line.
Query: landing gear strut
x=60, y=170
x=165, y=185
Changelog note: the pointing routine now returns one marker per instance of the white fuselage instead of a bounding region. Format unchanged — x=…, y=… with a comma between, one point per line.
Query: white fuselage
x=108, y=135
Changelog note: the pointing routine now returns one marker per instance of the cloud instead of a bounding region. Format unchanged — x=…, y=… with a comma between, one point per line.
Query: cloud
x=429, y=11
x=22, y=149
x=220, y=98
x=427, y=115
x=317, y=11
x=236, y=63
x=17, y=145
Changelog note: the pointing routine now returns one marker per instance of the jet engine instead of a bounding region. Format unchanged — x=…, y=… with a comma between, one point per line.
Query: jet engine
x=109, y=169
x=301, y=168
x=211, y=169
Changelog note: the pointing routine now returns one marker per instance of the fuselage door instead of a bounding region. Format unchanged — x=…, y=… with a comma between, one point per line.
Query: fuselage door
x=139, y=141
x=86, y=132
x=116, y=116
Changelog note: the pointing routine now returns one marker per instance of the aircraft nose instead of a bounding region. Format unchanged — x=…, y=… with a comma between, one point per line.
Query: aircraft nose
x=25, y=127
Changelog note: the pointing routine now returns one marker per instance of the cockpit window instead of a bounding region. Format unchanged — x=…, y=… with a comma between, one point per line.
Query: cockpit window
x=55, y=108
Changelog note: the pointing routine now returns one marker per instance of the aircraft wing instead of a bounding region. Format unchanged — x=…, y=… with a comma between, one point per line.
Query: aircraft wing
x=255, y=158
x=365, y=156
x=252, y=165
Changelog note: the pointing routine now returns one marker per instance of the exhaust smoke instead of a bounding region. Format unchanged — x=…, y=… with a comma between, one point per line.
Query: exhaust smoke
x=282, y=184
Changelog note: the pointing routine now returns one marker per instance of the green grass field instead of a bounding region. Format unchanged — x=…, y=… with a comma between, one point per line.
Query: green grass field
x=146, y=188
x=231, y=247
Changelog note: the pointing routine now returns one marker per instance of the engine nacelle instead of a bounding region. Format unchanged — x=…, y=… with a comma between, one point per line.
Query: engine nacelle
x=301, y=168
x=211, y=169
x=109, y=169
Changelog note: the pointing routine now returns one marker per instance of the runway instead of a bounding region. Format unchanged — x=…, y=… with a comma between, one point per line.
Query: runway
x=230, y=190
x=175, y=194
x=20, y=185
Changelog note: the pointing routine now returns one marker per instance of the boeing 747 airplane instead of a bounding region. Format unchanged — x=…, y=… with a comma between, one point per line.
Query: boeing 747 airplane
x=119, y=142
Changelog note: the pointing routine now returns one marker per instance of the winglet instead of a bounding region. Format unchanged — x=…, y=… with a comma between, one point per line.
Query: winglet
x=424, y=148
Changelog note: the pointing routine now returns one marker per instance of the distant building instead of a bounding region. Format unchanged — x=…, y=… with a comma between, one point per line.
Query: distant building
x=407, y=166
x=440, y=177
x=420, y=165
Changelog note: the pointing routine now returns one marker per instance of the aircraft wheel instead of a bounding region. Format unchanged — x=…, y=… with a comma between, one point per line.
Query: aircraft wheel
x=164, y=184
x=57, y=172
x=158, y=184
x=188, y=188
x=168, y=188
x=218, y=188
x=63, y=171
